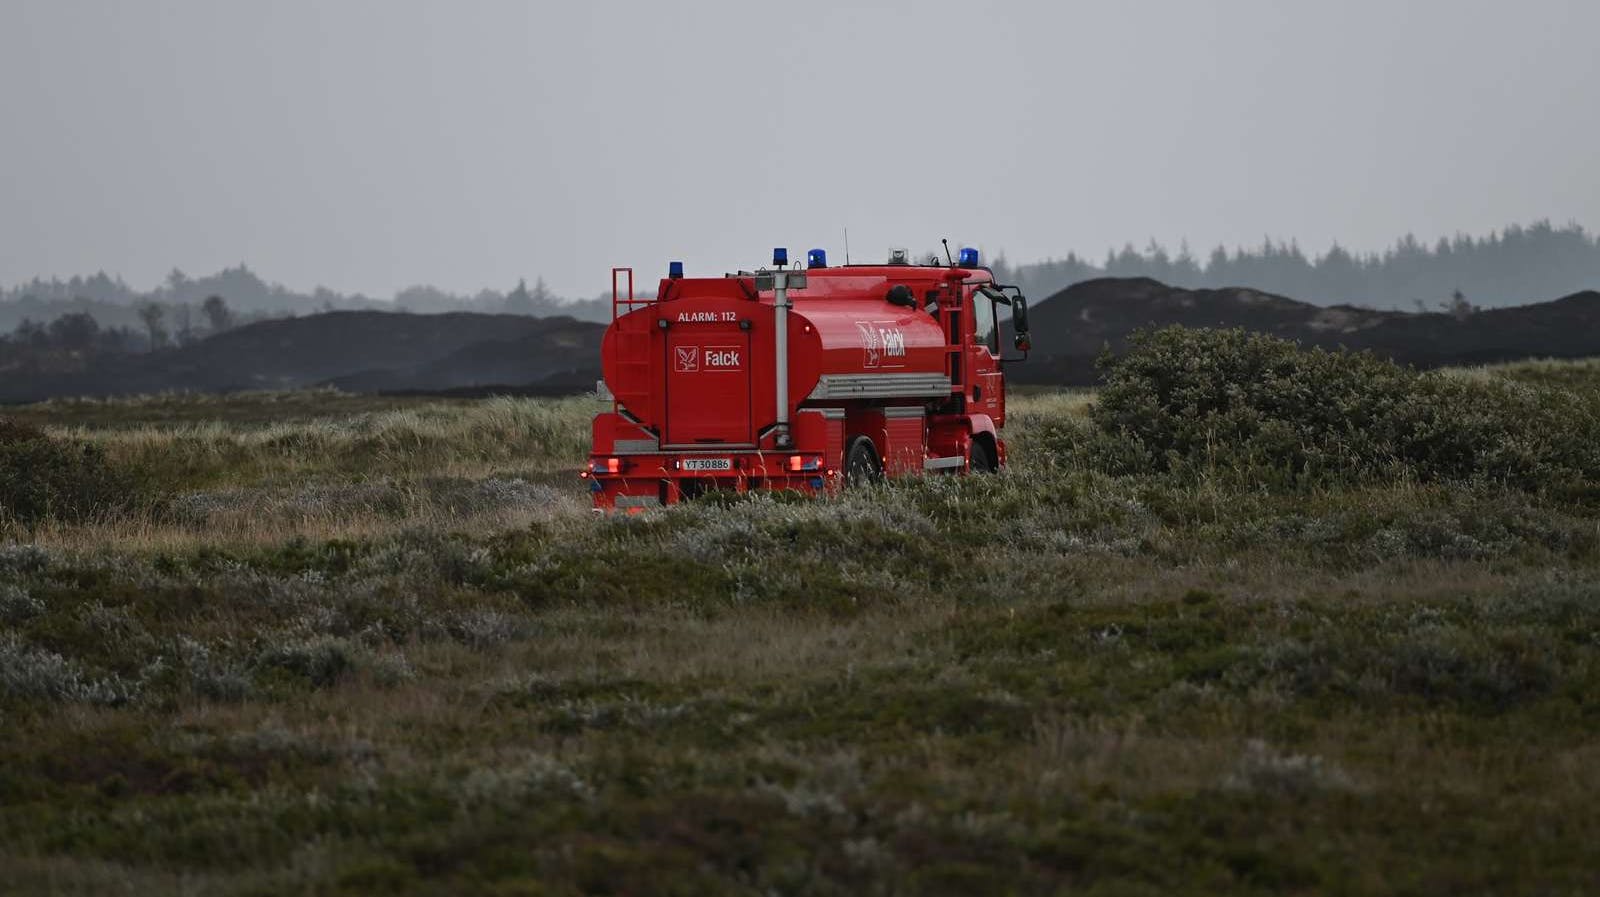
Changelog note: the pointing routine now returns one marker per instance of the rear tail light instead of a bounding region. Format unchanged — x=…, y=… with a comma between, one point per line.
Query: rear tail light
x=605, y=465
x=798, y=463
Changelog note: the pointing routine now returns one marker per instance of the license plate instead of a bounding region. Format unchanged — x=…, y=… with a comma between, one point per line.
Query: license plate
x=707, y=463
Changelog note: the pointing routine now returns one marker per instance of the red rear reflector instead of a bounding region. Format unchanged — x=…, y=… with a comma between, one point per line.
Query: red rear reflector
x=605, y=465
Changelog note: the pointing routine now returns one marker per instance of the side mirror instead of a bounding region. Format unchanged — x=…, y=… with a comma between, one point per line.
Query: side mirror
x=901, y=295
x=1019, y=322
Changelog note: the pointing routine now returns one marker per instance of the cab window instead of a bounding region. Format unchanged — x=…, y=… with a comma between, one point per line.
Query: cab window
x=984, y=331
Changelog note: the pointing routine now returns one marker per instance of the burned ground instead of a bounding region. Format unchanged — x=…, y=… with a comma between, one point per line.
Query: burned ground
x=466, y=353
x=1072, y=328
x=356, y=351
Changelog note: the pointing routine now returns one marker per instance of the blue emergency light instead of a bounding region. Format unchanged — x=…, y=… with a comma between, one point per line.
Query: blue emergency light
x=968, y=258
x=674, y=270
x=816, y=258
x=780, y=257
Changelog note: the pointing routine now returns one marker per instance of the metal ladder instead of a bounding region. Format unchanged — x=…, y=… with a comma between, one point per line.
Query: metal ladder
x=633, y=347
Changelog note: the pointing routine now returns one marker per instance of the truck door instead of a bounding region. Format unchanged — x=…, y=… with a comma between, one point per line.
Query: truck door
x=986, y=393
x=708, y=385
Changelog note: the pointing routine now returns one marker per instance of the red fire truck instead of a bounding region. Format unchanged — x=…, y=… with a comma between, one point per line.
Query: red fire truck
x=801, y=379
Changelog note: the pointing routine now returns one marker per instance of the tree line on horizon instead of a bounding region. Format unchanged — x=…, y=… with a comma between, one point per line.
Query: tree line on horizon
x=1514, y=266
x=75, y=340
x=113, y=303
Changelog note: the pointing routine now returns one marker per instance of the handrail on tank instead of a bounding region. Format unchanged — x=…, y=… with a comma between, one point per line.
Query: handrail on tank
x=618, y=301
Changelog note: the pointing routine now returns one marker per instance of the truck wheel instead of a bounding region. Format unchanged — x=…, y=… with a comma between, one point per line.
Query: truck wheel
x=861, y=463
x=980, y=458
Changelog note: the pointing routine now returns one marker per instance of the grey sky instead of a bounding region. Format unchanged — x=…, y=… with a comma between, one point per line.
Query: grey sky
x=372, y=145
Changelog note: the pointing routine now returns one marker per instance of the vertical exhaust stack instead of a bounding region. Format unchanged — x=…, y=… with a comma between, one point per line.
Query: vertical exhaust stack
x=781, y=282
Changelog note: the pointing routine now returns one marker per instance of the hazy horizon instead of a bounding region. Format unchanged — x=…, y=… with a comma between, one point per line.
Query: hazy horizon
x=646, y=276
x=368, y=147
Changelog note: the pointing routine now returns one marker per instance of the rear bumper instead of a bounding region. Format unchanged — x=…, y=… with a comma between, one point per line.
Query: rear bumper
x=631, y=482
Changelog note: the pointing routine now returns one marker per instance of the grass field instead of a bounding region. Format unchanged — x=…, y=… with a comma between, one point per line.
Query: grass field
x=362, y=644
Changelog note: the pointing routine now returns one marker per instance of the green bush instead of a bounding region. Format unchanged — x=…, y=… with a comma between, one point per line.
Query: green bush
x=1261, y=409
x=44, y=478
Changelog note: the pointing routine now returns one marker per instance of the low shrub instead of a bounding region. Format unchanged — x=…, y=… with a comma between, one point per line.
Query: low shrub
x=322, y=660
x=34, y=674
x=43, y=478
x=1263, y=410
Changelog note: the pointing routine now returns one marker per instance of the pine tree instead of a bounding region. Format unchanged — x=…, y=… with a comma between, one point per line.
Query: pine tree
x=518, y=301
x=153, y=317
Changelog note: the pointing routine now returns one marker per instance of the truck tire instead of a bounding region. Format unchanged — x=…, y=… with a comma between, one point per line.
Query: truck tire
x=980, y=457
x=861, y=463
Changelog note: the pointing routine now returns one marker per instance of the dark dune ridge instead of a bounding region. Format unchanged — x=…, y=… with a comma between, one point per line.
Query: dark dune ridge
x=470, y=353
x=1072, y=327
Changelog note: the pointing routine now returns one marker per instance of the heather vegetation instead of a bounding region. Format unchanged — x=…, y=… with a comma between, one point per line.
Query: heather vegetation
x=44, y=478
x=1200, y=638
x=1258, y=411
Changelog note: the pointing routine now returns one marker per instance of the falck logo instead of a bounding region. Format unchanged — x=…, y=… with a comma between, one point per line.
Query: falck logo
x=722, y=358
x=883, y=344
x=688, y=358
